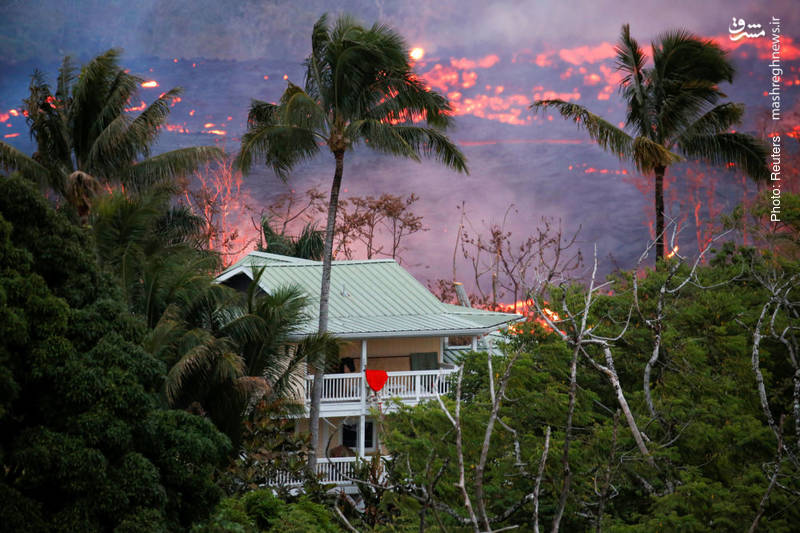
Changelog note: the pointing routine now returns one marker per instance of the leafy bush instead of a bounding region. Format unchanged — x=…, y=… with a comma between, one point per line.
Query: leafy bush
x=262, y=511
x=84, y=442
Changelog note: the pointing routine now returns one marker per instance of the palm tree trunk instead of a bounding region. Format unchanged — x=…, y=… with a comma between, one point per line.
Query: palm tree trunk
x=324, y=294
x=660, y=171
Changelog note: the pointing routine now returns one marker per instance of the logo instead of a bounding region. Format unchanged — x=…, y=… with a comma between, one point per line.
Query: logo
x=739, y=30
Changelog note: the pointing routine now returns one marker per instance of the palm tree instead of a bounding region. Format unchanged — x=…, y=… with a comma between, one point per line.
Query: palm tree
x=86, y=139
x=308, y=245
x=672, y=106
x=155, y=249
x=359, y=87
x=226, y=351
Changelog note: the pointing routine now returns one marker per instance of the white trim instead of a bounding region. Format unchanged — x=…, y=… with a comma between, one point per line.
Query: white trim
x=361, y=418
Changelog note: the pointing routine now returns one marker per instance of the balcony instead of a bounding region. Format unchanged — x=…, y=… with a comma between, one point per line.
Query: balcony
x=334, y=470
x=342, y=393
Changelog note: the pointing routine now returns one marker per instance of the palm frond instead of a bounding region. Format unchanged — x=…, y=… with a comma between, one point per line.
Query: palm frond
x=169, y=165
x=401, y=98
x=274, y=242
x=409, y=141
x=48, y=122
x=66, y=76
x=120, y=92
x=631, y=60
x=648, y=154
x=281, y=146
x=229, y=366
x=262, y=114
x=680, y=105
x=318, y=72
x=678, y=55
x=179, y=225
x=310, y=244
x=719, y=119
x=299, y=109
x=320, y=349
x=197, y=360
x=13, y=159
x=89, y=94
x=608, y=136
x=744, y=151
x=109, y=150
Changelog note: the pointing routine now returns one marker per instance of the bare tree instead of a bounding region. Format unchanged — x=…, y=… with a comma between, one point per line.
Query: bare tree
x=503, y=267
x=215, y=194
x=670, y=288
x=582, y=338
x=779, y=286
x=378, y=225
x=291, y=210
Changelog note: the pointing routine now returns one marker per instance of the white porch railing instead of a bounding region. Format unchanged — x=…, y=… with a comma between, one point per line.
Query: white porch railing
x=417, y=384
x=412, y=385
x=336, y=470
x=337, y=387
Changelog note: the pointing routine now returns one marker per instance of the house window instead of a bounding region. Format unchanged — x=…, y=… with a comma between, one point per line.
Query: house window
x=424, y=361
x=350, y=435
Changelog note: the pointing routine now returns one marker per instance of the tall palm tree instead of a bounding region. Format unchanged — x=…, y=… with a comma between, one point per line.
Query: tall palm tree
x=673, y=106
x=359, y=87
x=85, y=138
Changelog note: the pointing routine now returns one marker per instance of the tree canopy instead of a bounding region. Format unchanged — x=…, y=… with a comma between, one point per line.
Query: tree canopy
x=85, y=442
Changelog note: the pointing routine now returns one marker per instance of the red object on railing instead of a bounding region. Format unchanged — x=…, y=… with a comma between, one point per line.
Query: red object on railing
x=376, y=379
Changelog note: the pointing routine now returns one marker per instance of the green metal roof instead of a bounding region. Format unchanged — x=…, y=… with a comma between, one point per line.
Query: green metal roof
x=374, y=298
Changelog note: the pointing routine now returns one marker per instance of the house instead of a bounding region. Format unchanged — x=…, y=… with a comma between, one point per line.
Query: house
x=391, y=323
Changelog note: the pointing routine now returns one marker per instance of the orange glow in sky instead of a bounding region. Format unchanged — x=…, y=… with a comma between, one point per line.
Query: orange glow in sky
x=417, y=53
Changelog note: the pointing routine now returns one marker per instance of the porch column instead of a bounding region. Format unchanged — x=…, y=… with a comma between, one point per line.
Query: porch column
x=361, y=418
x=475, y=343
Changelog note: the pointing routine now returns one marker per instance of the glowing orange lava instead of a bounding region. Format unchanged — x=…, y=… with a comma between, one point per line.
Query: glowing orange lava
x=140, y=107
x=528, y=310
x=178, y=128
x=672, y=253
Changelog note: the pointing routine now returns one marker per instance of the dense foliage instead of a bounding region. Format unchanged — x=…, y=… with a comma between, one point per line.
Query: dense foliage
x=135, y=392
x=84, y=440
x=713, y=446
x=261, y=510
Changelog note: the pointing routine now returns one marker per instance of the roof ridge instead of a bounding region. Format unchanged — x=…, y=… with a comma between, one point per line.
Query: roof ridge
x=347, y=262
